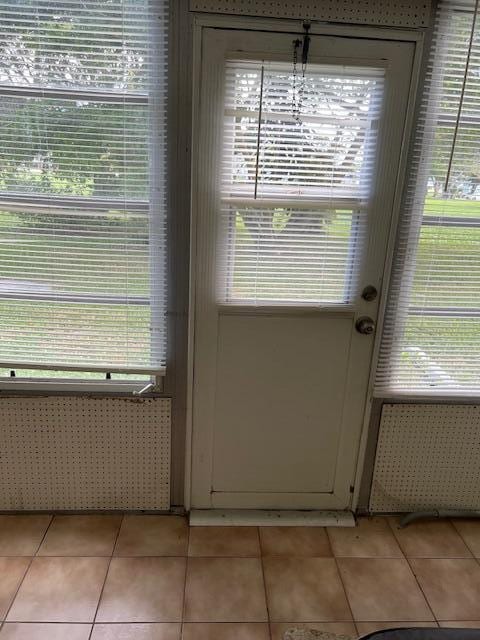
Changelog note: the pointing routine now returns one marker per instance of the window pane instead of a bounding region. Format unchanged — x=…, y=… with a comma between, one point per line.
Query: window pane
x=80, y=252
x=298, y=158
x=427, y=365
x=452, y=208
x=323, y=151
x=83, y=110
x=69, y=333
x=68, y=43
x=76, y=148
x=289, y=254
x=447, y=270
x=431, y=335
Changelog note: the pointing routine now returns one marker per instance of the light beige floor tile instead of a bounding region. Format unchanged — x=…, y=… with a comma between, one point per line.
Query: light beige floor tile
x=431, y=539
x=234, y=542
x=304, y=589
x=469, y=529
x=295, y=541
x=382, y=589
x=341, y=628
x=152, y=536
x=143, y=590
x=60, y=590
x=372, y=537
x=22, y=535
x=139, y=631
x=80, y=535
x=460, y=624
x=44, y=631
x=369, y=627
x=452, y=587
x=225, y=631
x=225, y=590
x=12, y=571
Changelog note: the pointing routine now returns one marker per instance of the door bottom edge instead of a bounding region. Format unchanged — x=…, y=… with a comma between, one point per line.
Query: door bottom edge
x=270, y=518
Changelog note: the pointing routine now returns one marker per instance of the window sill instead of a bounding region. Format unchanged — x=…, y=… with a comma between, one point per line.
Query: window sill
x=58, y=387
x=410, y=397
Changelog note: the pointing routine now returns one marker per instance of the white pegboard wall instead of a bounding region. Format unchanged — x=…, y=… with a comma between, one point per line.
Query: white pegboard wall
x=69, y=453
x=428, y=457
x=412, y=14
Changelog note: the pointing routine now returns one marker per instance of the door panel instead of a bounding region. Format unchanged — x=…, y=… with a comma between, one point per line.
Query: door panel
x=285, y=377
x=294, y=193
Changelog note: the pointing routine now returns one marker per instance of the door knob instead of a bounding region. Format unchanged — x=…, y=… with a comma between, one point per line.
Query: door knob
x=365, y=325
x=369, y=293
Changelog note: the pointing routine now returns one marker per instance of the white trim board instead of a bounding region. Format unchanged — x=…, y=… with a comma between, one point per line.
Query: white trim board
x=264, y=518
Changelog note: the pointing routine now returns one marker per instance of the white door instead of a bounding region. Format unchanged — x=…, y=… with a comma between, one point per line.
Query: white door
x=295, y=175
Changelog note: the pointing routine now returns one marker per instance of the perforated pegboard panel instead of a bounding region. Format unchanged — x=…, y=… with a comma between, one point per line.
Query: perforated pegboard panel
x=409, y=14
x=84, y=453
x=428, y=457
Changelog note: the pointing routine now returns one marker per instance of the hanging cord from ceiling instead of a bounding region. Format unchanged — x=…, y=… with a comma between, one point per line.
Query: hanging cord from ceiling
x=299, y=88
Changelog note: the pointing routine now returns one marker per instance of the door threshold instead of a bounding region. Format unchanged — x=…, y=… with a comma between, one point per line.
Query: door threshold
x=269, y=518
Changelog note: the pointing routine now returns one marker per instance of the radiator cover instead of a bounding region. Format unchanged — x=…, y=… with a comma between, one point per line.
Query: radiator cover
x=77, y=453
x=428, y=457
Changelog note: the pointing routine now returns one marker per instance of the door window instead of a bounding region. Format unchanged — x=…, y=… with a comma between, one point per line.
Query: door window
x=298, y=158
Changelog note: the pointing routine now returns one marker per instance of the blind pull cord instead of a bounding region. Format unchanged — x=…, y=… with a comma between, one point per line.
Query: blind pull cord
x=297, y=95
x=462, y=97
x=259, y=132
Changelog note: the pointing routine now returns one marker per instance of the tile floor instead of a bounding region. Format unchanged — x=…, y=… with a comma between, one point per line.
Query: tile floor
x=86, y=577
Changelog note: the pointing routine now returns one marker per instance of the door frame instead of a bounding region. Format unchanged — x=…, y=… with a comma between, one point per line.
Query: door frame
x=202, y=21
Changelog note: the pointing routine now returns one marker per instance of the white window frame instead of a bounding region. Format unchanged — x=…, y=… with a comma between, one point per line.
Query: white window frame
x=37, y=203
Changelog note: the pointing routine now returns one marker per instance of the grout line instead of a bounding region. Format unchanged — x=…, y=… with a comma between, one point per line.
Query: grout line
x=117, y=536
x=391, y=526
x=261, y=558
x=105, y=579
x=51, y=622
x=260, y=545
x=463, y=540
x=329, y=541
x=187, y=558
x=52, y=517
x=264, y=584
x=421, y=589
x=345, y=591
x=26, y=571
x=367, y=557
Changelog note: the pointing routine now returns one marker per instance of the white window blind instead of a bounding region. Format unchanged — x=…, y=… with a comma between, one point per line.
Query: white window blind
x=431, y=341
x=82, y=184
x=298, y=156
